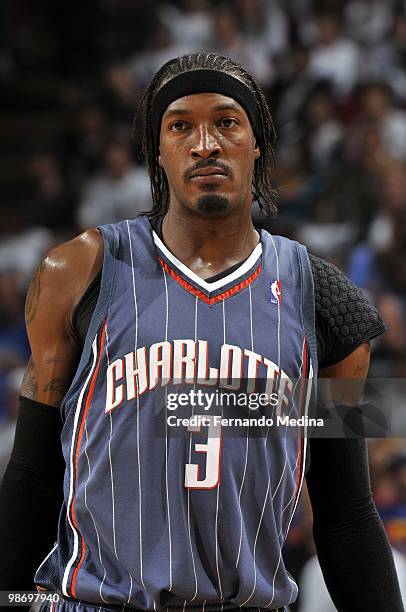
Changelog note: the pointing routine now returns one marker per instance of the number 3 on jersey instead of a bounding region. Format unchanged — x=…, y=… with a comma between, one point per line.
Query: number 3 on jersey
x=212, y=448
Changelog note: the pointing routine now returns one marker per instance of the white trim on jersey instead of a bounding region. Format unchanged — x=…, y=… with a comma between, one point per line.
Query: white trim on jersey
x=72, y=474
x=48, y=555
x=113, y=499
x=138, y=407
x=210, y=287
x=166, y=439
x=131, y=590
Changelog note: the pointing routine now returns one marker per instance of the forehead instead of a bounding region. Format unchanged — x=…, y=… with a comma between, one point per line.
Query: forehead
x=210, y=102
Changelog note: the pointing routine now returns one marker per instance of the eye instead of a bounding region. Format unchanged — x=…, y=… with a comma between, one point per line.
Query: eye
x=178, y=126
x=227, y=122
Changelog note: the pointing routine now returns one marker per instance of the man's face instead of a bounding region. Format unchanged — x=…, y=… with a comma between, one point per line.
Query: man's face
x=208, y=152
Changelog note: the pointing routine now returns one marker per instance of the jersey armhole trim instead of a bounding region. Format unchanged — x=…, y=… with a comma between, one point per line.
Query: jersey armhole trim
x=308, y=304
x=107, y=283
x=308, y=311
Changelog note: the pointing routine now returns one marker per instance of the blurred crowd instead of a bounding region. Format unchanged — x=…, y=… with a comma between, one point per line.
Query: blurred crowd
x=334, y=73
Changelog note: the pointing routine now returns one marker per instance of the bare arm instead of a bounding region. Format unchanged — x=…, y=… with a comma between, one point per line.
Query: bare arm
x=347, y=377
x=60, y=281
x=31, y=491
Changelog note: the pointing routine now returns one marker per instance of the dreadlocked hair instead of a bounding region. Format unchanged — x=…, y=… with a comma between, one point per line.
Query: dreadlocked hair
x=263, y=189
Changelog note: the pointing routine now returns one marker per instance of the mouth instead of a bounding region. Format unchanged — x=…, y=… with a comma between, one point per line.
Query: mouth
x=208, y=175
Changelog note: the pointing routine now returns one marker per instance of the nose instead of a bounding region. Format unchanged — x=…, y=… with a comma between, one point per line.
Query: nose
x=206, y=144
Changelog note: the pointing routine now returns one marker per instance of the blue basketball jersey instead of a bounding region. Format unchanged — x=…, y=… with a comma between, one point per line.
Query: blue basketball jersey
x=173, y=494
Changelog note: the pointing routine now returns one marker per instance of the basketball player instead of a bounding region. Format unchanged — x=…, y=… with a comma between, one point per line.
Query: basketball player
x=190, y=297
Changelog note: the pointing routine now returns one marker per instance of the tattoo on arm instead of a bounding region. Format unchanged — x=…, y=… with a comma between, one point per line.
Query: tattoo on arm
x=59, y=385
x=29, y=387
x=32, y=301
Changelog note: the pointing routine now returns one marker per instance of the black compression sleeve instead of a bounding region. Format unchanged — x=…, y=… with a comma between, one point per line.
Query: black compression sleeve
x=352, y=547
x=30, y=495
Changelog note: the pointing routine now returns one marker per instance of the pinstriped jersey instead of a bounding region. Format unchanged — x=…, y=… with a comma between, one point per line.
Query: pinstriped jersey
x=181, y=482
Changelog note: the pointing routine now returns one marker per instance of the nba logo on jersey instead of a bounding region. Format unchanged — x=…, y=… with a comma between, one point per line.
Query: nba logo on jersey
x=276, y=292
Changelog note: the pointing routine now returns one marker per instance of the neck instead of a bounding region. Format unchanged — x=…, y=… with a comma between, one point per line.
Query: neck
x=207, y=245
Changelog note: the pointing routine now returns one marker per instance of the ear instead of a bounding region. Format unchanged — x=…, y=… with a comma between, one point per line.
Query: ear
x=160, y=160
x=257, y=151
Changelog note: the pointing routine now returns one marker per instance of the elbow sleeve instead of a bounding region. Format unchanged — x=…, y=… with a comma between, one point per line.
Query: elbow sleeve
x=31, y=494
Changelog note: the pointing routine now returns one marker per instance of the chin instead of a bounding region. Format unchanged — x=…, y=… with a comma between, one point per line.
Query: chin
x=212, y=204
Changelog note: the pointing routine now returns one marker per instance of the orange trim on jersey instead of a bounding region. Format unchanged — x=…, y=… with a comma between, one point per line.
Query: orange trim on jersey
x=78, y=443
x=203, y=296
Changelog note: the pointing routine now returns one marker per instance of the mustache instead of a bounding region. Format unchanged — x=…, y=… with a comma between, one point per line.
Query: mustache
x=202, y=164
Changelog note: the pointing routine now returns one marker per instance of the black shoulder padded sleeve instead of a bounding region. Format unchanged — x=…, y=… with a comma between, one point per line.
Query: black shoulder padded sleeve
x=30, y=495
x=344, y=316
x=352, y=547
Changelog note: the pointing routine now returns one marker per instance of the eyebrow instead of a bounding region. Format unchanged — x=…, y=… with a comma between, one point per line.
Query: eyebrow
x=218, y=107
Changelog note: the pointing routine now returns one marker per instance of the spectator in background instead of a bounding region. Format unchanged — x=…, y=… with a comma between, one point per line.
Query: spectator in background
x=297, y=191
x=354, y=178
x=190, y=23
x=53, y=201
x=379, y=260
x=334, y=57
x=393, y=198
x=10, y=384
x=368, y=21
x=121, y=94
x=295, y=84
x=391, y=262
x=21, y=245
x=161, y=48
x=14, y=347
x=119, y=192
x=324, y=131
x=264, y=23
x=386, y=60
x=84, y=147
x=390, y=349
x=377, y=107
x=252, y=53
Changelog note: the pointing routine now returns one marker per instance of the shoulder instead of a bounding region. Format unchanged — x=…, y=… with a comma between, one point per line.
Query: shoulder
x=64, y=273
x=83, y=256
x=344, y=315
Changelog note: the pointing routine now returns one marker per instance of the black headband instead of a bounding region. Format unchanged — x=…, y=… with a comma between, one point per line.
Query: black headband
x=205, y=81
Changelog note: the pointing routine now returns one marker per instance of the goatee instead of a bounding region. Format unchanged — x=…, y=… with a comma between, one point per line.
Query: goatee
x=212, y=204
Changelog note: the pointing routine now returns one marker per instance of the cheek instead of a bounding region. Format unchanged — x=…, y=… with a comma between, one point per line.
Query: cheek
x=170, y=159
x=166, y=161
